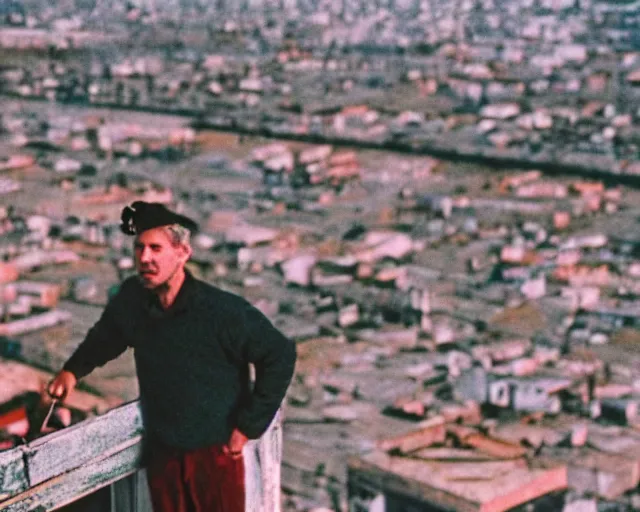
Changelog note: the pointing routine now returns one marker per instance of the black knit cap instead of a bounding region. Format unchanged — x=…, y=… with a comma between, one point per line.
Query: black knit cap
x=141, y=216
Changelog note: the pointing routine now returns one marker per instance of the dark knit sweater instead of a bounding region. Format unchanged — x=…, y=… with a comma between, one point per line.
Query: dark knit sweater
x=192, y=361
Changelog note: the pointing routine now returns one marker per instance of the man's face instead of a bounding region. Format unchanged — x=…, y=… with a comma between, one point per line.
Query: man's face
x=157, y=258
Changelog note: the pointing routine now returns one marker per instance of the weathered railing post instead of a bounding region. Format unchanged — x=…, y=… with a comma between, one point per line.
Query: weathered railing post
x=262, y=469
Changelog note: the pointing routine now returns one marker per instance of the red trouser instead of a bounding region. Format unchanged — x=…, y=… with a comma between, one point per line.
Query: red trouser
x=203, y=480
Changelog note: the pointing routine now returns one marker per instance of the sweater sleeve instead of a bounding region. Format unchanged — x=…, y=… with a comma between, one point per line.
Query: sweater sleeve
x=274, y=357
x=103, y=342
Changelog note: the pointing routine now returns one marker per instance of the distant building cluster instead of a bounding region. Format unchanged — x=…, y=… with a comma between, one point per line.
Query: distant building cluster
x=474, y=78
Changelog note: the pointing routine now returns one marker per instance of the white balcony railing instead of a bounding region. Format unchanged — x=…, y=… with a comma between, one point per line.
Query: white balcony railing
x=64, y=466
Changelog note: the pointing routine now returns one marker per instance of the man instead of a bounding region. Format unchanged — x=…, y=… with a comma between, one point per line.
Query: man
x=192, y=344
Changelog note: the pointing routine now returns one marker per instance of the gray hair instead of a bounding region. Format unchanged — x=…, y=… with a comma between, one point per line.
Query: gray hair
x=178, y=234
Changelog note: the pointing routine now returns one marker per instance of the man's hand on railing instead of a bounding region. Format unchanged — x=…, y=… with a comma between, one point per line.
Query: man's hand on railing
x=61, y=385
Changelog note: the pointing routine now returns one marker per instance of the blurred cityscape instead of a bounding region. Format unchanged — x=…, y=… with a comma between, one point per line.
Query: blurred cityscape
x=437, y=200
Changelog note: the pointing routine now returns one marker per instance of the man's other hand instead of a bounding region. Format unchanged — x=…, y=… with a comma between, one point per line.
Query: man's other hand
x=62, y=385
x=236, y=444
